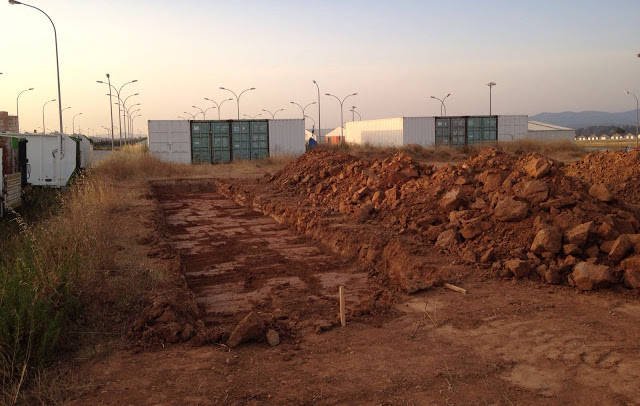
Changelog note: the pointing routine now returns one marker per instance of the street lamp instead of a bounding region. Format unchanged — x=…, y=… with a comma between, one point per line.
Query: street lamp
x=204, y=115
x=341, y=111
x=119, y=98
x=132, y=119
x=637, y=114
x=353, y=113
x=73, y=121
x=252, y=118
x=442, y=105
x=192, y=116
x=18, y=106
x=314, y=126
x=130, y=130
x=55, y=37
x=217, y=105
x=491, y=85
x=273, y=115
x=43, y=126
x=238, y=97
x=319, y=120
x=303, y=108
x=124, y=106
x=182, y=118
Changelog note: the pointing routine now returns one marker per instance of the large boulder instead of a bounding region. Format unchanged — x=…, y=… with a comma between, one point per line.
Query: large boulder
x=509, y=209
x=631, y=267
x=535, y=191
x=518, y=267
x=452, y=200
x=579, y=234
x=588, y=276
x=250, y=328
x=620, y=248
x=601, y=192
x=538, y=166
x=548, y=239
x=447, y=239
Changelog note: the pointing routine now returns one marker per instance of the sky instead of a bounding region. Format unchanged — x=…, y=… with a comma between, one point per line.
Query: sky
x=545, y=56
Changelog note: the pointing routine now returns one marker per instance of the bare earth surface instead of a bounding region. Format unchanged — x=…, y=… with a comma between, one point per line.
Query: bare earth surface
x=504, y=343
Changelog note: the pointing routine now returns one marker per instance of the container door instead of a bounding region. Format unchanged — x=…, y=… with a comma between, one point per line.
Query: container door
x=200, y=142
x=221, y=143
x=240, y=140
x=259, y=140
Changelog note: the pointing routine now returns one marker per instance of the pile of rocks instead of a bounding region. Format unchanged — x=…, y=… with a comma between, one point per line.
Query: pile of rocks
x=522, y=217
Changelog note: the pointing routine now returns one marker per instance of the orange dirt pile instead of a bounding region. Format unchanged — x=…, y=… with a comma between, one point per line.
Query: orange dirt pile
x=522, y=217
x=620, y=171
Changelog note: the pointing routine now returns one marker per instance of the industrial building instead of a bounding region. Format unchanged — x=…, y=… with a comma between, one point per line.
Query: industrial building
x=436, y=131
x=543, y=131
x=223, y=141
x=8, y=123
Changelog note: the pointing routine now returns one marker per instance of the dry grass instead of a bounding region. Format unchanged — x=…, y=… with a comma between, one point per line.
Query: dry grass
x=73, y=282
x=563, y=150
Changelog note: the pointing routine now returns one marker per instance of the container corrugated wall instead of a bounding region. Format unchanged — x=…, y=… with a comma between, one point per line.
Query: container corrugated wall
x=386, y=132
x=512, y=127
x=420, y=131
x=286, y=137
x=170, y=140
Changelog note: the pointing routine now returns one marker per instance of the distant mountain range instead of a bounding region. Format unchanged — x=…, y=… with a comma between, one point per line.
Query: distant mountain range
x=583, y=119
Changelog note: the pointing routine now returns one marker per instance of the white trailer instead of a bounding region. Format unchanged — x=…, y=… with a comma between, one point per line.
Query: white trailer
x=45, y=165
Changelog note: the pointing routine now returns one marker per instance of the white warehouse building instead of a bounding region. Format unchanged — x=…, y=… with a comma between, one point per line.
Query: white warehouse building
x=543, y=131
x=436, y=131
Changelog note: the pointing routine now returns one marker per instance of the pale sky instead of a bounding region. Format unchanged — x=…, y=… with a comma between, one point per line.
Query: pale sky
x=544, y=56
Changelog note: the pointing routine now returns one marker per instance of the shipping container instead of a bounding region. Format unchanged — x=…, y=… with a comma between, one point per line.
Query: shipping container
x=218, y=141
x=170, y=140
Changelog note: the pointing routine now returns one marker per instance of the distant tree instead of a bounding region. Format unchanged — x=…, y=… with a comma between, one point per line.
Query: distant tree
x=620, y=130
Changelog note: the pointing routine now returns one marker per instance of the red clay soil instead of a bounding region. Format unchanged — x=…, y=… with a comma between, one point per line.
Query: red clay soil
x=620, y=171
x=505, y=342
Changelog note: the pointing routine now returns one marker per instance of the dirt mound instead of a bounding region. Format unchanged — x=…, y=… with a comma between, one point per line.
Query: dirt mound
x=620, y=171
x=522, y=217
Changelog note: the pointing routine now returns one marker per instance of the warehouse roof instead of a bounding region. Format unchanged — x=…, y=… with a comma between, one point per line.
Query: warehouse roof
x=538, y=126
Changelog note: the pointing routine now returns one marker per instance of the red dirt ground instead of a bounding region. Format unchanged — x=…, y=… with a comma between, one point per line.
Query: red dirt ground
x=506, y=342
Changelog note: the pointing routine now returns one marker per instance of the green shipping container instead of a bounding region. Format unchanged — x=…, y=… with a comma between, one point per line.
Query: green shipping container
x=200, y=142
x=221, y=144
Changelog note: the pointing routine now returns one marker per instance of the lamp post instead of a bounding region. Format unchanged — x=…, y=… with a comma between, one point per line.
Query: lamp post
x=210, y=108
x=18, y=106
x=218, y=105
x=204, y=116
x=313, y=128
x=238, y=97
x=353, y=113
x=55, y=37
x=273, y=115
x=250, y=117
x=43, y=126
x=303, y=108
x=124, y=107
x=442, y=105
x=319, y=120
x=637, y=112
x=491, y=85
x=192, y=116
x=73, y=121
x=119, y=98
x=341, y=111
x=182, y=118
x=131, y=119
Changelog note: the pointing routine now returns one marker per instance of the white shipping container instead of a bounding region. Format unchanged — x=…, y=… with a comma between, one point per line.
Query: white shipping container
x=286, y=137
x=45, y=165
x=420, y=131
x=170, y=140
x=86, y=151
x=512, y=127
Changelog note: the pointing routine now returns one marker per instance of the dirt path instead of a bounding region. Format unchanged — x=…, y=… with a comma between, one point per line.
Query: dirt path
x=236, y=260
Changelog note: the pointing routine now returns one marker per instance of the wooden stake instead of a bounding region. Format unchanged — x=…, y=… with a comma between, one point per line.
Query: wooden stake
x=455, y=288
x=343, y=320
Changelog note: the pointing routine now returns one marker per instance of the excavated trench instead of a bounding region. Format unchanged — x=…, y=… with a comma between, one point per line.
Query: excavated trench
x=237, y=260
